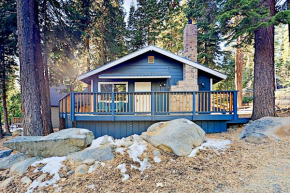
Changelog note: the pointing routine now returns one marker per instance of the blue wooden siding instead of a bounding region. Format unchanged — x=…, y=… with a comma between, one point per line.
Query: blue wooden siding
x=140, y=65
x=119, y=129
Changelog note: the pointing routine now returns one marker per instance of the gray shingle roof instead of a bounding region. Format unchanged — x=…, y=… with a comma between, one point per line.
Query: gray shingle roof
x=56, y=93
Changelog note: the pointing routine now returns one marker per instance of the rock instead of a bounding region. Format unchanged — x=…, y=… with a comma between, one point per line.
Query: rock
x=26, y=181
x=5, y=153
x=159, y=185
x=256, y=138
x=81, y=170
x=69, y=173
x=107, y=140
x=274, y=128
x=102, y=153
x=20, y=168
x=56, y=144
x=89, y=162
x=6, y=183
x=179, y=136
x=7, y=162
x=17, y=132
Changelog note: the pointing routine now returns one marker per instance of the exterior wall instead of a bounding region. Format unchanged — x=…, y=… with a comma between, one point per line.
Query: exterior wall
x=140, y=65
x=119, y=129
x=54, y=117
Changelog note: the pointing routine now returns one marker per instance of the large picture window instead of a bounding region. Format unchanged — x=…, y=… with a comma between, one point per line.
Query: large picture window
x=118, y=87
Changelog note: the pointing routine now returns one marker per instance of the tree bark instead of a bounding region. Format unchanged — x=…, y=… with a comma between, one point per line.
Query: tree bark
x=4, y=101
x=1, y=131
x=43, y=75
x=29, y=75
x=239, y=67
x=264, y=78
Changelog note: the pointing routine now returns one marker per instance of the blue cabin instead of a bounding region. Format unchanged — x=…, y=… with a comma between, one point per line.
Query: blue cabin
x=147, y=86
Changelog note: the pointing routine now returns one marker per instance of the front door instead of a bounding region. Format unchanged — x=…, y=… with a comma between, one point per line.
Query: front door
x=143, y=100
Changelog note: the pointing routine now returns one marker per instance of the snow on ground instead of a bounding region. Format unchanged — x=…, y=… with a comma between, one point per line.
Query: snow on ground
x=157, y=159
x=136, y=150
x=122, y=168
x=95, y=166
x=51, y=167
x=214, y=144
x=98, y=142
x=83, y=131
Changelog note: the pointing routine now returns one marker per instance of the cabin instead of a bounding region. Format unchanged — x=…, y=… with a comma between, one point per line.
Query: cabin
x=147, y=86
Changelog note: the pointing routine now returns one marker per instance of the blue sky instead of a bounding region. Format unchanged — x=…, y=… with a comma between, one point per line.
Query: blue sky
x=127, y=4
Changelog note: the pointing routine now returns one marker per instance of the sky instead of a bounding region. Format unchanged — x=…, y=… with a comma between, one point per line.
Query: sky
x=127, y=4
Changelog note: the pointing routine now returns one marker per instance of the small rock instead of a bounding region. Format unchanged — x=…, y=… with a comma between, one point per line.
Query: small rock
x=63, y=179
x=89, y=162
x=81, y=170
x=159, y=185
x=107, y=140
x=6, y=183
x=103, y=153
x=7, y=162
x=5, y=153
x=20, y=168
x=26, y=181
x=256, y=138
x=69, y=173
x=17, y=132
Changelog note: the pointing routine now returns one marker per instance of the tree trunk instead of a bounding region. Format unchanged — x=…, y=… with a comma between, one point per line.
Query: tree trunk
x=239, y=67
x=264, y=78
x=4, y=102
x=44, y=86
x=1, y=131
x=29, y=76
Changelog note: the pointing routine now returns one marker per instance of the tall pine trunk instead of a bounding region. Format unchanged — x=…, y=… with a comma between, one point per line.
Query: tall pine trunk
x=264, y=78
x=239, y=67
x=29, y=75
x=43, y=81
x=4, y=101
x=1, y=131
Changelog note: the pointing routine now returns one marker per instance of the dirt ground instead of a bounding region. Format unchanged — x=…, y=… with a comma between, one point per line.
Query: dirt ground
x=244, y=167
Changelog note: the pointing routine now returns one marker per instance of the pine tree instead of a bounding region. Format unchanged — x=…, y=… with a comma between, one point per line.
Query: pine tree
x=29, y=77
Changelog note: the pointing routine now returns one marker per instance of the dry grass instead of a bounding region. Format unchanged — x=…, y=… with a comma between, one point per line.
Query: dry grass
x=244, y=167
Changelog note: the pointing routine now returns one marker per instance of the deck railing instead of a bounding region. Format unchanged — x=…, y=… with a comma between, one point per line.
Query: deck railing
x=148, y=103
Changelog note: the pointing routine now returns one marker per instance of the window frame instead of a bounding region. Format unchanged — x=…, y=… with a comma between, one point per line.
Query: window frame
x=112, y=83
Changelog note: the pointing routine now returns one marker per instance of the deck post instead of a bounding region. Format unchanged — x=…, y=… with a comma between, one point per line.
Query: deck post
x=113, y=106
x=95, y=102
x=72, y=106
x=153, y=105
x=65, y=107
x=193, y=105
x=235, y=105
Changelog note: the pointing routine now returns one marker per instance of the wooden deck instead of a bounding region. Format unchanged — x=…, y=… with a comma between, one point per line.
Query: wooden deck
x=151, y=106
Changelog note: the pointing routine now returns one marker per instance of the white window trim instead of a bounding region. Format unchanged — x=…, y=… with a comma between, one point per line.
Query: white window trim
x=99, y=84
x=99, y=89
x=210, y=84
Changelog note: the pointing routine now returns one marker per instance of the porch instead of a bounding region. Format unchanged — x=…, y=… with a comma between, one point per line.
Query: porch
x=150, y=106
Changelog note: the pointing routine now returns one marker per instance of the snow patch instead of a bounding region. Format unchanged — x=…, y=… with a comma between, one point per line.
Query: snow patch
x=120, y=150
x=215, y=144
x=52, y=167
x=91, y=186
x=96, y=142
x=95, y=166
x=122, y=168
x=136, y=150
x=157, y=159
x=83, y=131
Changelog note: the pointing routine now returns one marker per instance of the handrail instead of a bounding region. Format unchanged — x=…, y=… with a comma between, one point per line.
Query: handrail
x=152, y=103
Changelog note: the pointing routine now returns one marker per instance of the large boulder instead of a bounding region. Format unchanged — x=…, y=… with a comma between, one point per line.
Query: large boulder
x=59, y=143
x=258, y=131
x=7, y=162
x=103, y=153
x=179, y=136
x=5, y=153
x=20, y=168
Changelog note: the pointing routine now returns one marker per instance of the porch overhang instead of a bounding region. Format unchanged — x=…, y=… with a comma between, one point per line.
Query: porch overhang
x=135, y=76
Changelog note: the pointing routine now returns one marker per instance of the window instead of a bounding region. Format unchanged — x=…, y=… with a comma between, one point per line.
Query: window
x=151, y=59
x=108, y=87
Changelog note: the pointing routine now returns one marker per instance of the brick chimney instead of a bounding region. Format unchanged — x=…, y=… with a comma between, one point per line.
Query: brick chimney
x=189, y=82
x=190, y=42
